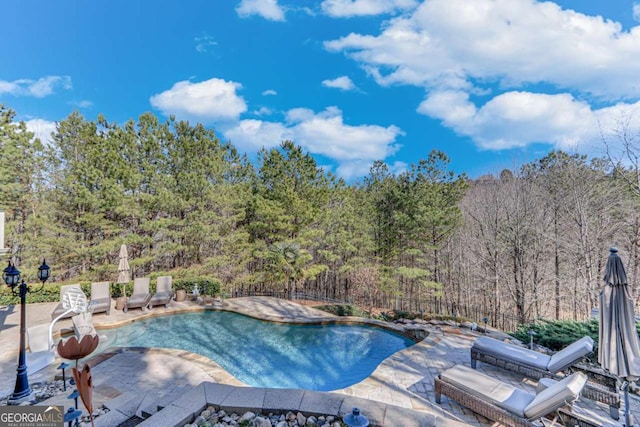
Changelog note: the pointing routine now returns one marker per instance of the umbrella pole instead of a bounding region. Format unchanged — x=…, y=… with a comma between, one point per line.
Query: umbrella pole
x=627, y=414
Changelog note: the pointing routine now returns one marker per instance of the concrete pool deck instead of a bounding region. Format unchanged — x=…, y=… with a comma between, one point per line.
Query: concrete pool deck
x=398, y=393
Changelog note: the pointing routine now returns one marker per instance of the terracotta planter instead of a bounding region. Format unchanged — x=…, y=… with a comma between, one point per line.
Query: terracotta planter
x=181, y=295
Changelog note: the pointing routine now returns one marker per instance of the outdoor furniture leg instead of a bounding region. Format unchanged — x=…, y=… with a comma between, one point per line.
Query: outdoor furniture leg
x=627, y=414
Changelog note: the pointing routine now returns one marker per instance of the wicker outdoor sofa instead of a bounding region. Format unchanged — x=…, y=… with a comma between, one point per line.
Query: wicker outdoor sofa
x=509, y=405
x=600, y=387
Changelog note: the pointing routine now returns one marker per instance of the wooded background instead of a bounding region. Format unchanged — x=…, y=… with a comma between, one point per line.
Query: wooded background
x=531, y=242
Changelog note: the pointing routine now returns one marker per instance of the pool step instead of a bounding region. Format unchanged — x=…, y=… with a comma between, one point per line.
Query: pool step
x=126, y=403
x=121, y=408
x=154, y=402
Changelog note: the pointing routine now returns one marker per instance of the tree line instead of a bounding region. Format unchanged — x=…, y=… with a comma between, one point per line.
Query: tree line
x=531, y=242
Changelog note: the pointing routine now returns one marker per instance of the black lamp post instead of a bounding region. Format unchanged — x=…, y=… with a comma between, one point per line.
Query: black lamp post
x=11, y=276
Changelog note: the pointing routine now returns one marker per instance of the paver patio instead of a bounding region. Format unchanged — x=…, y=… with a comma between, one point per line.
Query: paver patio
x=129, y=380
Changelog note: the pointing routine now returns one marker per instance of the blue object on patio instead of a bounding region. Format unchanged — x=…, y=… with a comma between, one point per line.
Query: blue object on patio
x=355, y=419
x=72, y=415
x=63, y=366
x=75, y=395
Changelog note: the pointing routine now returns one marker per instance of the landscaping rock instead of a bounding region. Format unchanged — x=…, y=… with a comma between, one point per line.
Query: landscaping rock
x=301, y=419
x=247, y=416
x=261, y=422
x=223, y=419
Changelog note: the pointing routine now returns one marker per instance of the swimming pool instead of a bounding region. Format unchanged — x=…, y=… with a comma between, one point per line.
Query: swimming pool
x=267, y=354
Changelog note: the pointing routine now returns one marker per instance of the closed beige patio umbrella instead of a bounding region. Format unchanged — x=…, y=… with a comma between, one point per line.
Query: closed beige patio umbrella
x=124, y=271
x=619, y=347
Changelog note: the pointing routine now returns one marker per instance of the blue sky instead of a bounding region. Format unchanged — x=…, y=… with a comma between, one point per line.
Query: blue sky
x=493, y=83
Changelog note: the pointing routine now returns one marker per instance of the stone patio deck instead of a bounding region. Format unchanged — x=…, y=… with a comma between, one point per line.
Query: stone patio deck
x=398, y=393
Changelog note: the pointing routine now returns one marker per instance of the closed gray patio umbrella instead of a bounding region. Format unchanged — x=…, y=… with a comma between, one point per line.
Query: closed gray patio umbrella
x=619, y=348
x=124, y=272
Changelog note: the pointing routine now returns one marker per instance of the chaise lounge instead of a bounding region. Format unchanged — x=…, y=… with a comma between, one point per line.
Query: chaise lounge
x=63, y=306
x=40, y=353
x=100, y=298
x=532, y=364
x=140, y=296
x=164, y=292
x=510, y=405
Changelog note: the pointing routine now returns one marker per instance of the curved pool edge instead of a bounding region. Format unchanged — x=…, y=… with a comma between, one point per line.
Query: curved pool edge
x=209, y=366
x=300, y=315
x=325, y=319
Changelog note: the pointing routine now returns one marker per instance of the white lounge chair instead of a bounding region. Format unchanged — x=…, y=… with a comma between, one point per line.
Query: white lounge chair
x=61, y=308
x=507, y=404
x=40, y=354
x=140, y=296
x=532, y=364
x=100, y=297
x=164, y=292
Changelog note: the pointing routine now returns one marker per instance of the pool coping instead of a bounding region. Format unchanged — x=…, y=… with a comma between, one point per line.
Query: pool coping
x=273, y=310
x=335, y=320
x=209, y=364
x=270, y=400
x=234, y=395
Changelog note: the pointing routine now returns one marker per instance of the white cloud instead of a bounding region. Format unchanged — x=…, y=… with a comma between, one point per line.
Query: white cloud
x=457, y=43
x=37, y=88
x=252, y=135
x=84, y=103
x=204, y=43
x=502, y=49
x=636, y=12
x=268, y=9
x=207, y=101
x=324, y=133
x=41, y=129
x=263, y=111
x=269, y=92
x=516, y=119
x=343, y=83
x=297, y=115
x=349, y=8
x=359, y=168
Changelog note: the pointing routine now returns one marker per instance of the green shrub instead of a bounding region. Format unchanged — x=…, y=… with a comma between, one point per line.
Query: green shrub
x=392, y=315
x=116, y=289
x=206, y=285
x=343, y=310
x=50, y=293
x=556, y=335
x=400, y=314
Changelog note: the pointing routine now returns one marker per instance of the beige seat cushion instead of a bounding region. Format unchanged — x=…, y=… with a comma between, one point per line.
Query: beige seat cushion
x=487, y=388
x=556, y=396
x=513, y=352
x=570, y=354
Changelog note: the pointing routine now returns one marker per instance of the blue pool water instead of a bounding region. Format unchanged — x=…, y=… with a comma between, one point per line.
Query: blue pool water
x=267, y=354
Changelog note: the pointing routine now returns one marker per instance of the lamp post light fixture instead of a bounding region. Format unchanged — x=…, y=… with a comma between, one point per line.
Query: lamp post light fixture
x=11, y=276
x=531, y=333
